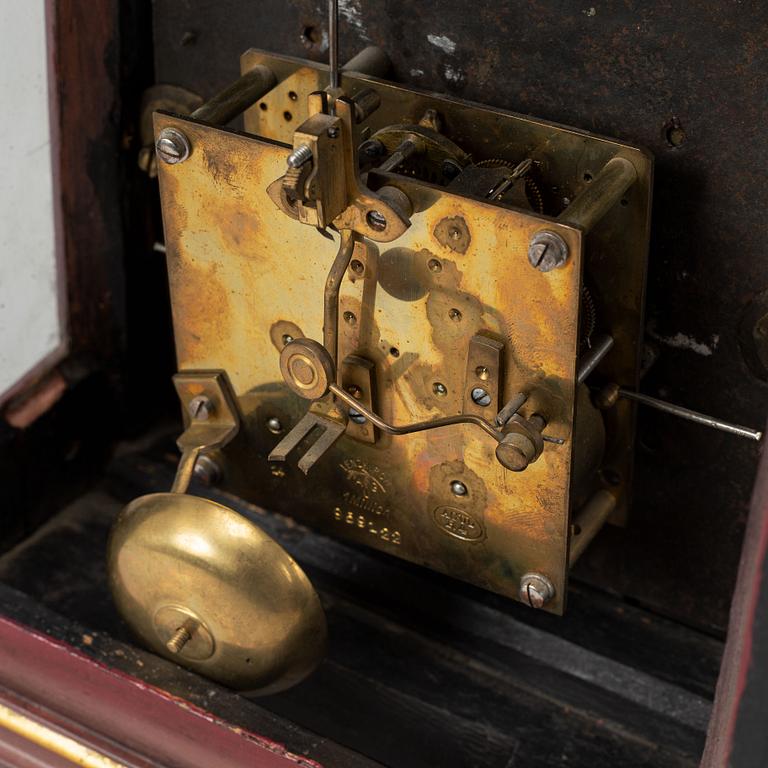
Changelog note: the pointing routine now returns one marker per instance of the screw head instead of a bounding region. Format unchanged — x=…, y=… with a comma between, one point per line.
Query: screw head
x=451, y=169
x=172, y=146
x=458, y=488
x=207, y=471
x=536, y=590
x=547, y=251
x=274, y=425
x=376, y=220
x=287, y=338
x=480, y=397
x=356, y=417
x=333, y=132
x=439, y=389
x=200, y=407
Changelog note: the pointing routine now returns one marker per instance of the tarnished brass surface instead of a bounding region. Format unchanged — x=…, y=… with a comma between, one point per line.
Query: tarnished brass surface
x=618, y=248
x=254, y=620
x=245, y=278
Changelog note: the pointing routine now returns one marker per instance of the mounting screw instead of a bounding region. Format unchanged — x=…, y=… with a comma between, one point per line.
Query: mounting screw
x=172, y=146
x=451, y=169
x=299, y=156
x=481, y=397
x=547, y=251
x=356, y=416
x=207, y=471
x=274, y=425
x=536, y=590
x=287, y=338
x=458, y=488
x=333, y=132
x=180, y=638
x=200, y=407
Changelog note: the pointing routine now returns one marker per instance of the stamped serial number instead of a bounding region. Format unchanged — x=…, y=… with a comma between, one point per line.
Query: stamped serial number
x=383, y=533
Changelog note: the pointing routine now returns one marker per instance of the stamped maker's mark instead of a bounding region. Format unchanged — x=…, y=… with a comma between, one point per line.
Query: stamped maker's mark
x=457, y=523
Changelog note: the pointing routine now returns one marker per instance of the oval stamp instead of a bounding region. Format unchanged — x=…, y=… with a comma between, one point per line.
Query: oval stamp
x=458, y=523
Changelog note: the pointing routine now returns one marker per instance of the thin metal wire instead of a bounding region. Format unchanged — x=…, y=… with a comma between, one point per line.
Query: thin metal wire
x=333, y=42
x=689, y=415
x=419, y=426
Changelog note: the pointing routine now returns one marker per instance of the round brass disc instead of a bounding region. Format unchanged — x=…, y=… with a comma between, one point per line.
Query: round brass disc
x=307, y=368
x=203, y=586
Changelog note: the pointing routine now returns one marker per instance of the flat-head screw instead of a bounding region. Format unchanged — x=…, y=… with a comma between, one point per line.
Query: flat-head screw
x=536, y=590
x=547, y=251
x=172, y=146
x=200, y=407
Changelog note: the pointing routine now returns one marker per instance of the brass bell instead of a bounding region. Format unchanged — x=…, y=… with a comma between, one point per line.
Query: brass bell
x=202, y=585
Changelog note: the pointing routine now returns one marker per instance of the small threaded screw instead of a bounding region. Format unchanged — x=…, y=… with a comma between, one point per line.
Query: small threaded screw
x=299, y=156
x=180, y=638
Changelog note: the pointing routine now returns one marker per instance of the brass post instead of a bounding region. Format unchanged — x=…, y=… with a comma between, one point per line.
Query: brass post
x=615, y=178
x=588, y=522
x=226, y=105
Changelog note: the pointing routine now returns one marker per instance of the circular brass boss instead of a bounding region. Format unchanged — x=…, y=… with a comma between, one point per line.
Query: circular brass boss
x=307, y=368
x=205, y=587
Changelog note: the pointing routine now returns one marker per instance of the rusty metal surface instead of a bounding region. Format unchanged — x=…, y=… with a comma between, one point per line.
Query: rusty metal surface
x=239, y=269
x=685, y=80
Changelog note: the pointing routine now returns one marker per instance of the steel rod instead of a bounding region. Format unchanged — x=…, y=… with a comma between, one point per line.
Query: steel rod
x=333, y=43
x=514, y=404
x=406, y=148
x=689, y=415
x=594, y=356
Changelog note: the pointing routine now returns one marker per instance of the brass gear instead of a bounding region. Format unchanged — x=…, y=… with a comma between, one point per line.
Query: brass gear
x=532, y=191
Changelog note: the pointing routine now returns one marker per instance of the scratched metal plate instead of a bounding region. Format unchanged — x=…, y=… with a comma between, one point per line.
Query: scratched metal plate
x=617, y=249
x=243, y=275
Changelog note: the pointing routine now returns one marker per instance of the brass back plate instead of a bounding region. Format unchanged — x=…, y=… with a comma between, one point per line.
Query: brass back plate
x=243, y=276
